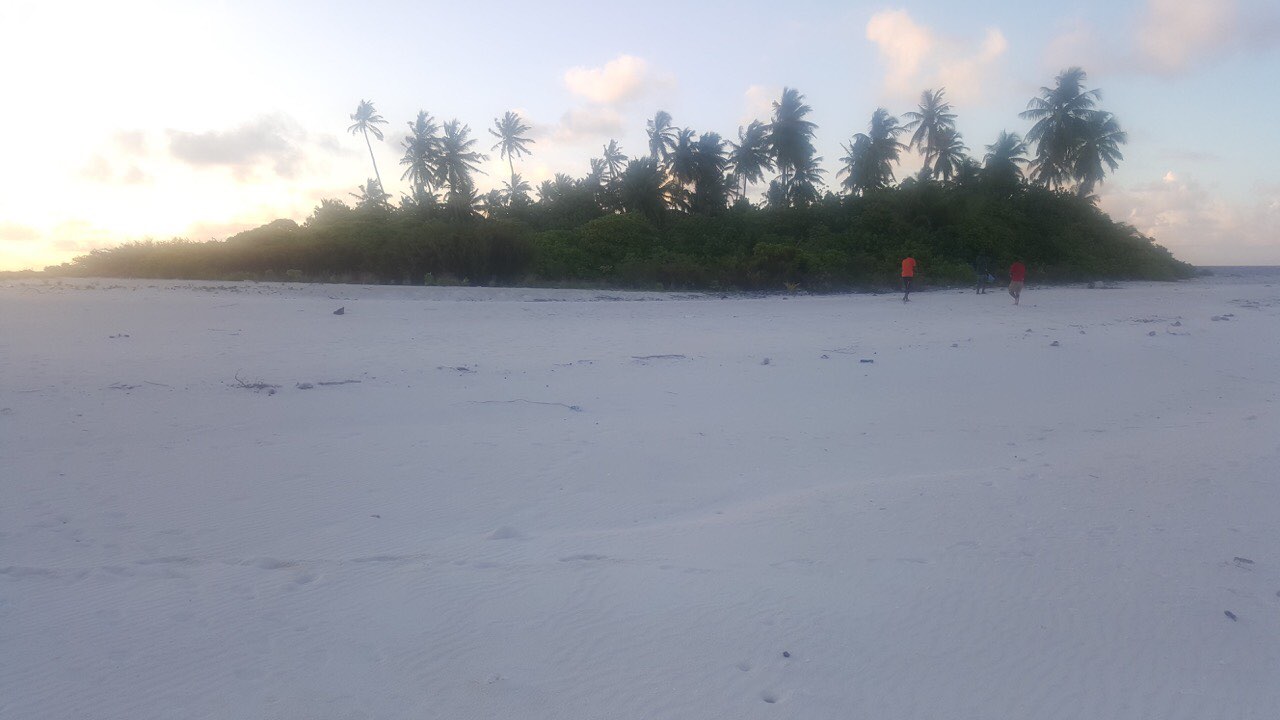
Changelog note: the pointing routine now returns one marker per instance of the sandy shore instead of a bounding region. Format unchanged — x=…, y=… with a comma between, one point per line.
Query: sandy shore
x=221, y=500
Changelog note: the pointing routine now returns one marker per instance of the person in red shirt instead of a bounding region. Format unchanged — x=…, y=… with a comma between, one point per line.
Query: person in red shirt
x=1017, y=276
x=908, y=274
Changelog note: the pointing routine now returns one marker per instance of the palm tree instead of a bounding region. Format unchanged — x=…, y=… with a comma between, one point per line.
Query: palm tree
x=367, y=120
x=856, y=164
x=662, y=136
x=596, y=182
x=1003, y=162
x=683, y=158
x=1100, y=141
x=871, y=156
x=517, y=192
x=609, y=169
x=885, y=148
x=951, y=154
x=556, y=189
x=493, y=202
x=930, y=122
x=710, y=184
x=463, y=202
x=1060, y=114
x=790, y=135
x=510, y=130
x=614, y=161
x=642, y=188
x=458, y=159
x=371, y=196
x=805, y=183
x=421, y=151
x=749, y=157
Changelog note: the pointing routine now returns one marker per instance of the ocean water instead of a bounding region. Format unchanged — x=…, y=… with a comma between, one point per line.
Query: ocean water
x=1239, y=274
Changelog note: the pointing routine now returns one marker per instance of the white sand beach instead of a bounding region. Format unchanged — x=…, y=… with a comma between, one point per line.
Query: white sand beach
x=222, y=500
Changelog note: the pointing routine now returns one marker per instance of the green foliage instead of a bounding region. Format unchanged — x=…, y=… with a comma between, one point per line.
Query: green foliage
x=834, y=243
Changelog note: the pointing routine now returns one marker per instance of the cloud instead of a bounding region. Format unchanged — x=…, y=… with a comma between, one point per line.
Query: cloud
x=132, y=142
x=274, y=141
x=1173, y=33
x=589, y=123
x=758, y=103
x=1198, y=225
x=14, y=232
x=916, y=58
x=622, y=79
x=79, y=237
x=114, y=171
x=1168, y=37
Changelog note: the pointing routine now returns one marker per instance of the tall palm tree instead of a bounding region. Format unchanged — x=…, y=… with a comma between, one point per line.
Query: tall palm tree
x=1100, y=141
x=367, y=121
x=930, y=121
x=421, y=155
x=683, y=158
x=1005, y=157
x=614, y=161
x=749, y=157
x=790, y=135
x=662, y=136
x=856, y=164
x=1060, y=113
x=458, y=160
x=682, y=168
x=884, y=131
x=950, y=156
x=881, y=150
x=806, y=182
x=643, y=187
x=512, y=143
x=710, y=183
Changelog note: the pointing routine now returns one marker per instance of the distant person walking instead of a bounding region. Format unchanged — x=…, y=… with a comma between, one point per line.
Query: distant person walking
x=1017, y=276
x=908, y=275
x=982, y=268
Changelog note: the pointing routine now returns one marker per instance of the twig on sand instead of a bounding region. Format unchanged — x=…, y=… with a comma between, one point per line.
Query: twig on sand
x=157, y=384
x=256, y=386
x=336, y=382
x=575, y=408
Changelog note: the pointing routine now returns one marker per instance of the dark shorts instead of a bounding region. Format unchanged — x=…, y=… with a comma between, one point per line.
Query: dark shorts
x=906, y=283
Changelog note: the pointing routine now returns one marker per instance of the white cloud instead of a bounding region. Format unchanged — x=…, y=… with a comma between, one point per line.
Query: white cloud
x=1172, y=33
x=588, y=124
x=622, y=79
x=1167, y=37
x=15, y=233
x=274, y=140
x=758, y=103
x=916, y=58
x=1198, y=225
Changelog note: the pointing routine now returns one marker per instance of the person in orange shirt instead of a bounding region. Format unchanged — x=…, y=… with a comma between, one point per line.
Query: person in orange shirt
x=1017, y=276
x=908, y=274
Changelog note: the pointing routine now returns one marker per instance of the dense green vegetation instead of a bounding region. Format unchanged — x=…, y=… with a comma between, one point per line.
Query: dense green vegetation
x=680, y=217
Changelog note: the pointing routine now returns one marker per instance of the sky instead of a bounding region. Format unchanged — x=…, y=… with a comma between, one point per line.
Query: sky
x=142, y=119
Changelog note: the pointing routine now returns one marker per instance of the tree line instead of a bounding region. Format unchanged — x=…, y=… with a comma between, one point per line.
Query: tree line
x=681, y=214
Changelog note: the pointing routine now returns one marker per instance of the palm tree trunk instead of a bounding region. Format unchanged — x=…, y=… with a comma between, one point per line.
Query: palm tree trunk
x=375, y=162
